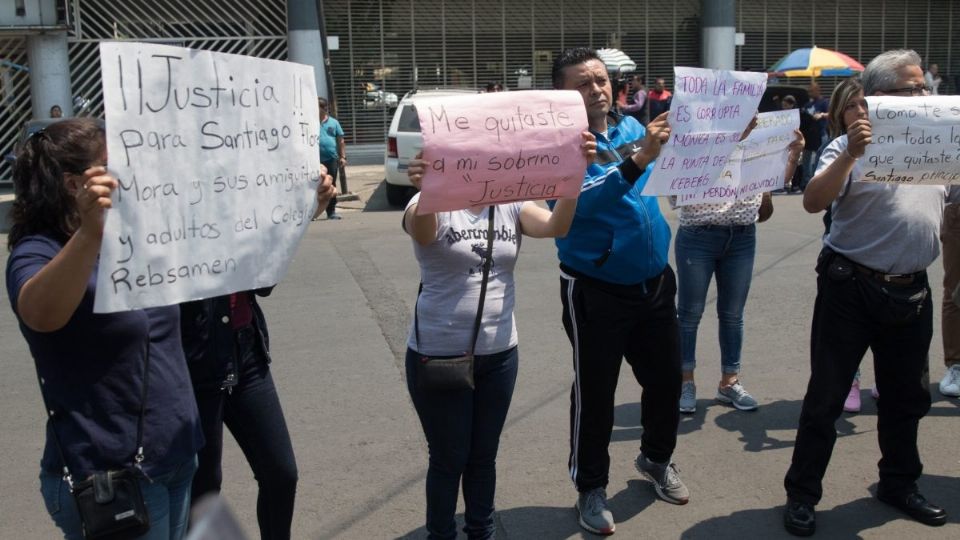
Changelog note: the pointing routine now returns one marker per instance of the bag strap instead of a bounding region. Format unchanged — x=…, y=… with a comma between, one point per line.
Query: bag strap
x=487, y=263
x=138, y=458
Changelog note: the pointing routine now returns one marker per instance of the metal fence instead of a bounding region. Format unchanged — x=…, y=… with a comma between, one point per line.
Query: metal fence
x=15, y=96
x=388, y=47
x=249, y=27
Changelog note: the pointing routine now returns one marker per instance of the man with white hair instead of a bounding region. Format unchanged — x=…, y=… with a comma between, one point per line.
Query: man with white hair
x=872, y=292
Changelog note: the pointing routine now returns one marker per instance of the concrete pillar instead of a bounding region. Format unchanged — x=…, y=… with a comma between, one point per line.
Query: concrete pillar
x=49, y=73
x=305, y=40
x=718, y=33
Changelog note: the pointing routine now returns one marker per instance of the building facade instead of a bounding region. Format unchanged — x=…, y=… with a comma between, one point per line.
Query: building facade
x=381, y=49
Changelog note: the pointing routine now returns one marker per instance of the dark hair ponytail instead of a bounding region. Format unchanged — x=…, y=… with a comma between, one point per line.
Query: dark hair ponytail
x=43, y=204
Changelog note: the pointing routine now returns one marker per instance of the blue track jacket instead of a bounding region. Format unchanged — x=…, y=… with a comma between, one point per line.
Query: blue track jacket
x=617, y=236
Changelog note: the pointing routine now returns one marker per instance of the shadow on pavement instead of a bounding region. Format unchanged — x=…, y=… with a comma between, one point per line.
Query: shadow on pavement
x=755, y=426
x=626, y=422
x=848, y=520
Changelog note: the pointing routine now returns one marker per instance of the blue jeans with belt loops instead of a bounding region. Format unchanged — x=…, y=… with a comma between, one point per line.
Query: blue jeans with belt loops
x=463, y=428
x=724, y=251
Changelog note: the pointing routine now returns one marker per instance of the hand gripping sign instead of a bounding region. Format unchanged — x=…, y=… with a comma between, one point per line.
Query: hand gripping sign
x=218, y=165
x=501, y=147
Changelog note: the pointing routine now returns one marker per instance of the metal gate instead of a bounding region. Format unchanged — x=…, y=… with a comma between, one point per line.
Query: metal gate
x=15, y=96
x=248, y=27
x=389, y=47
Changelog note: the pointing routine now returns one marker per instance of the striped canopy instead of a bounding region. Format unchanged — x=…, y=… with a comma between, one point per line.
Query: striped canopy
x=816, y=62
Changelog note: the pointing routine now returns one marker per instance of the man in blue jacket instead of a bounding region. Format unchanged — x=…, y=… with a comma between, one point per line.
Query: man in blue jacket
x=618, y=297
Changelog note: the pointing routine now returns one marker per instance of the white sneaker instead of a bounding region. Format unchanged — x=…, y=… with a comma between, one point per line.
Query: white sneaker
x=950, y=384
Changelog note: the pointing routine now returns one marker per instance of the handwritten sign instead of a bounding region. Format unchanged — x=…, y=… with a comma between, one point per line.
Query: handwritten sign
x=217, y=161
x=710, y=110
x=916, y=140
x=496, y=148
x=757, y=163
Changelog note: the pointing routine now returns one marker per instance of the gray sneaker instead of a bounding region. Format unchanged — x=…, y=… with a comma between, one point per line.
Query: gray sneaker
x=665, y=478
x=688, y=397
x=594, y=514
x=738, y=397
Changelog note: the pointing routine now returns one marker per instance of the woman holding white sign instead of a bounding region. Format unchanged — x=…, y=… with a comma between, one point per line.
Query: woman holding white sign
x=719, y=240
x=466, y=262
x=122, y=418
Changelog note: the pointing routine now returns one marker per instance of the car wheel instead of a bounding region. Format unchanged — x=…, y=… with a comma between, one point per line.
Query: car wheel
x=398, y=195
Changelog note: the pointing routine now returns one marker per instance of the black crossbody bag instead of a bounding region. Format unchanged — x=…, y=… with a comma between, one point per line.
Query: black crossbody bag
x=110, y=503
x=454, y=373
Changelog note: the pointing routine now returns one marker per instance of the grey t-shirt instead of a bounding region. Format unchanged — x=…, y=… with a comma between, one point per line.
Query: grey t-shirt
x=451, y=270
x=889, y=228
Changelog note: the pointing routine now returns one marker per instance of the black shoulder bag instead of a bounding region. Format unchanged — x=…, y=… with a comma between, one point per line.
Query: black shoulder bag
x=110, y=503
x=454, y=373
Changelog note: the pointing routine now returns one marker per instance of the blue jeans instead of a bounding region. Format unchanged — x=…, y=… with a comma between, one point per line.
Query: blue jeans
x=463, y=434
x=167, y=499
x=701, y=252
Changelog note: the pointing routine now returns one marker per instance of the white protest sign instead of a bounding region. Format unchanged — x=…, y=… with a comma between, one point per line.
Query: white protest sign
x=756, y=165
x=916, y=140
x=766, y=151
x=218, y=165
x=723, y=190
x=710, y=110
x=495, y=148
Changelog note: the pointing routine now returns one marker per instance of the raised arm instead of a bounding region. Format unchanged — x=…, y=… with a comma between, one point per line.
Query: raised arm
x=49, y=298
x=610, y=185
x=825, y=187
x=539, y=222
x=422, y=228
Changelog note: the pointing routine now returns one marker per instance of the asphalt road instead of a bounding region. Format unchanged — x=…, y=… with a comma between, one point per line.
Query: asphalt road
x=338, y=324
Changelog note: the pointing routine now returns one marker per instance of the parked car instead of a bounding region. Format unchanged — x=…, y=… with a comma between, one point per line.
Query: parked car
x=375, y=98
x=404, y=141
x=774, y=92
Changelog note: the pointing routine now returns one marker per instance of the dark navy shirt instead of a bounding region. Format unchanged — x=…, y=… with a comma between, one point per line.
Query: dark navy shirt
x=93, y=379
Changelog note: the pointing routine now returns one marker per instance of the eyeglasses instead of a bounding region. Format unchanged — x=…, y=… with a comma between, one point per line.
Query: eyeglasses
x=922, y=90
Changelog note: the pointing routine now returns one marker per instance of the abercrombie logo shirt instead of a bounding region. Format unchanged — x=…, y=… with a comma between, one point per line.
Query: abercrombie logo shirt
x=451, y=269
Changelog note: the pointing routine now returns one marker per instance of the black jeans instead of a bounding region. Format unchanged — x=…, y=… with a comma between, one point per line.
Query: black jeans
x=251, y=411
x=852, y=313
x=333, y=167
x=463, y=434
x=605, y=323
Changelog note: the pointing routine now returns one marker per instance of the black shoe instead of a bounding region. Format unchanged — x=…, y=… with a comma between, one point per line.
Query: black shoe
x=799, y=518
x=916, y=506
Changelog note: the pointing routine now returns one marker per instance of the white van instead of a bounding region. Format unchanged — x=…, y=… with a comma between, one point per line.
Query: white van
x=404, y=141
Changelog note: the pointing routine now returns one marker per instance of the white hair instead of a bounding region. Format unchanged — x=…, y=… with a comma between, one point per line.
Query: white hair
x=881, y=73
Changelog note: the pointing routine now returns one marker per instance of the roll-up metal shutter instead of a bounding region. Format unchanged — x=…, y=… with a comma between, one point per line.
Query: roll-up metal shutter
x=388, y=48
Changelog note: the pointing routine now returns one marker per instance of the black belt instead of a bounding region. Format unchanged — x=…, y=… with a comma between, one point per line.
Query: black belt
x=895, y=279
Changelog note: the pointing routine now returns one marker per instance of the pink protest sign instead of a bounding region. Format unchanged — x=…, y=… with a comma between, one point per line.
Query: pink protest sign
x=501, y=147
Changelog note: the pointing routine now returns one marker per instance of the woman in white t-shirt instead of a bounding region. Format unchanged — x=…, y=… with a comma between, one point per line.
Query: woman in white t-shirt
x=719, y=241
x=463, y=426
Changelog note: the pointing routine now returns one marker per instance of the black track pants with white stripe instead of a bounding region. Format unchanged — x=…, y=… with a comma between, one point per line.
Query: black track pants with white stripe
x=606, y=323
